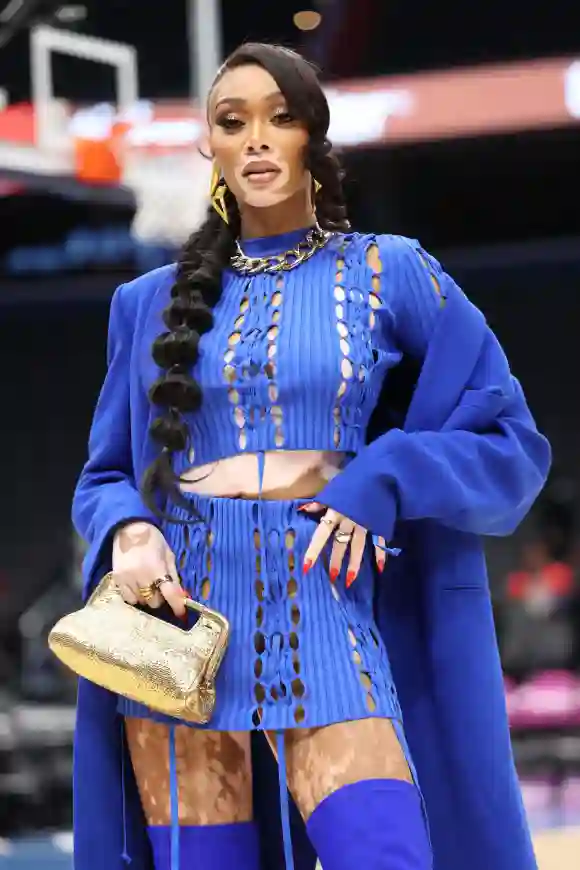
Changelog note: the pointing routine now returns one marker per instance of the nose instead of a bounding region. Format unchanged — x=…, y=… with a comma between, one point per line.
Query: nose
x=256, y=141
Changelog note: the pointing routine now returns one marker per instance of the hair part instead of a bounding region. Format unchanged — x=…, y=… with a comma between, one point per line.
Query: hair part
x=198, y=283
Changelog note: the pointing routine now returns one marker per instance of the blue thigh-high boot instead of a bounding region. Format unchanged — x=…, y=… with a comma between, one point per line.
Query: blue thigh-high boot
x=376, y=824
x=201, y=847
x=206, y=847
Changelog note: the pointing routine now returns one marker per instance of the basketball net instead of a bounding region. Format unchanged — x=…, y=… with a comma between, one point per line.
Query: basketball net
x=171, y=186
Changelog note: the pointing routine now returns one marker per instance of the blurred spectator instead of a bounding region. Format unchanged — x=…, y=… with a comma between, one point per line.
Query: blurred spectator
x=538, y=615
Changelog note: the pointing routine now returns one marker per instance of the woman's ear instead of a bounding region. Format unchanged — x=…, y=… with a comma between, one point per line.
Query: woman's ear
x=204, y=144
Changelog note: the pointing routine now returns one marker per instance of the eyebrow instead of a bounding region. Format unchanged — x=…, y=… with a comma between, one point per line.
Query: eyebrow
x=240, y=101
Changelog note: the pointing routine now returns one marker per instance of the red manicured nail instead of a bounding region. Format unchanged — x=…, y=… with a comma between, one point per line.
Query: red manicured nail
x=350, y=578
x=334, y=572
x=381, y=566
x=306, y=566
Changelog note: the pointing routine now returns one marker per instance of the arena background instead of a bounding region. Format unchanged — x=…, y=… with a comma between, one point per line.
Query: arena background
x=457, y=124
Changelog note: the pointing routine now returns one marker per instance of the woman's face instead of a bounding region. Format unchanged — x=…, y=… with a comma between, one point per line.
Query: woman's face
x=257, y=145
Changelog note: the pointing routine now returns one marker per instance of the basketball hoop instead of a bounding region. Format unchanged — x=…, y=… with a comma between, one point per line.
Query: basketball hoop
x=153, y=150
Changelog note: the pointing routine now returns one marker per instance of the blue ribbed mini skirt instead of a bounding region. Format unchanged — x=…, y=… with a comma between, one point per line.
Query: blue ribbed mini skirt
x=303, y=651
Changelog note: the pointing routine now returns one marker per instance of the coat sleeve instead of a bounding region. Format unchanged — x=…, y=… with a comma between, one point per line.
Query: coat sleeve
x=106, y=495
x=482, y=470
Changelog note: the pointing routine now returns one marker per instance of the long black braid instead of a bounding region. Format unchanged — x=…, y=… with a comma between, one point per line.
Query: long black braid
x=206, y=254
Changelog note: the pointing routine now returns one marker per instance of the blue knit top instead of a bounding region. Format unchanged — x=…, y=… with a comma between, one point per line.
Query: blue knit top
x=296, y=361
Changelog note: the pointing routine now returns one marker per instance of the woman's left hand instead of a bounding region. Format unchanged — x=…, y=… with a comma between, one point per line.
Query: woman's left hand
x=347, y=536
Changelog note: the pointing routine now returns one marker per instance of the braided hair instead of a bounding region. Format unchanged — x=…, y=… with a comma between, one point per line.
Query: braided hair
x=207, y=253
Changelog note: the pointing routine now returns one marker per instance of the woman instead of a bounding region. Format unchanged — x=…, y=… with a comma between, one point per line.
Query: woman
x=234, y=463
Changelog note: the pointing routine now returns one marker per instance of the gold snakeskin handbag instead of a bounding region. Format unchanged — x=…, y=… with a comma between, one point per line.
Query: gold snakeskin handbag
x=133, y=653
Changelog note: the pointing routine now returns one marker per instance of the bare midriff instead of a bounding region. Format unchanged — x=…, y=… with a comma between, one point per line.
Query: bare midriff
x=288, y=474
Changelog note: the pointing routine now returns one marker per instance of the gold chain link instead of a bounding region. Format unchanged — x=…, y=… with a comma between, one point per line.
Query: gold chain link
x=315, y=239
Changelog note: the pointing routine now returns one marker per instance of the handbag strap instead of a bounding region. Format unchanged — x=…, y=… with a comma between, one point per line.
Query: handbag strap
x=223, y=626
x=211, y=615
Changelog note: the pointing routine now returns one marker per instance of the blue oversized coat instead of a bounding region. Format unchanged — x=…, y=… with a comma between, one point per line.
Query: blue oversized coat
x=464, y=460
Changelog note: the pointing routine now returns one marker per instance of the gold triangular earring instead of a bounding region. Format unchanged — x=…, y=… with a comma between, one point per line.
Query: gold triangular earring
x=317, y=186
x=217, y=191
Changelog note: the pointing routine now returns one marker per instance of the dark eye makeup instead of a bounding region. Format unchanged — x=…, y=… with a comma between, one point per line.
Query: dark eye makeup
x=284, y=117
x=230, y=122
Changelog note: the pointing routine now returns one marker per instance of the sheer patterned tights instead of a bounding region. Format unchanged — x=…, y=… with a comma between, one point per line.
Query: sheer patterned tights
x=214, y=767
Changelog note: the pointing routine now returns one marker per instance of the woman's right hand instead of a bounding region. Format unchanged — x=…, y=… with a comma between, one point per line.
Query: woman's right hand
x=141, y=555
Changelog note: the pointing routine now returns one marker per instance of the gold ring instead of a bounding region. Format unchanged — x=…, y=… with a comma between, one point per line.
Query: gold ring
x=342, y=537
x=328, y=521
x=147, y=592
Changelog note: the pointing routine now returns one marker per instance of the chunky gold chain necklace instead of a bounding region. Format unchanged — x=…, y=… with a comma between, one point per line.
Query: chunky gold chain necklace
x=313, y=241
